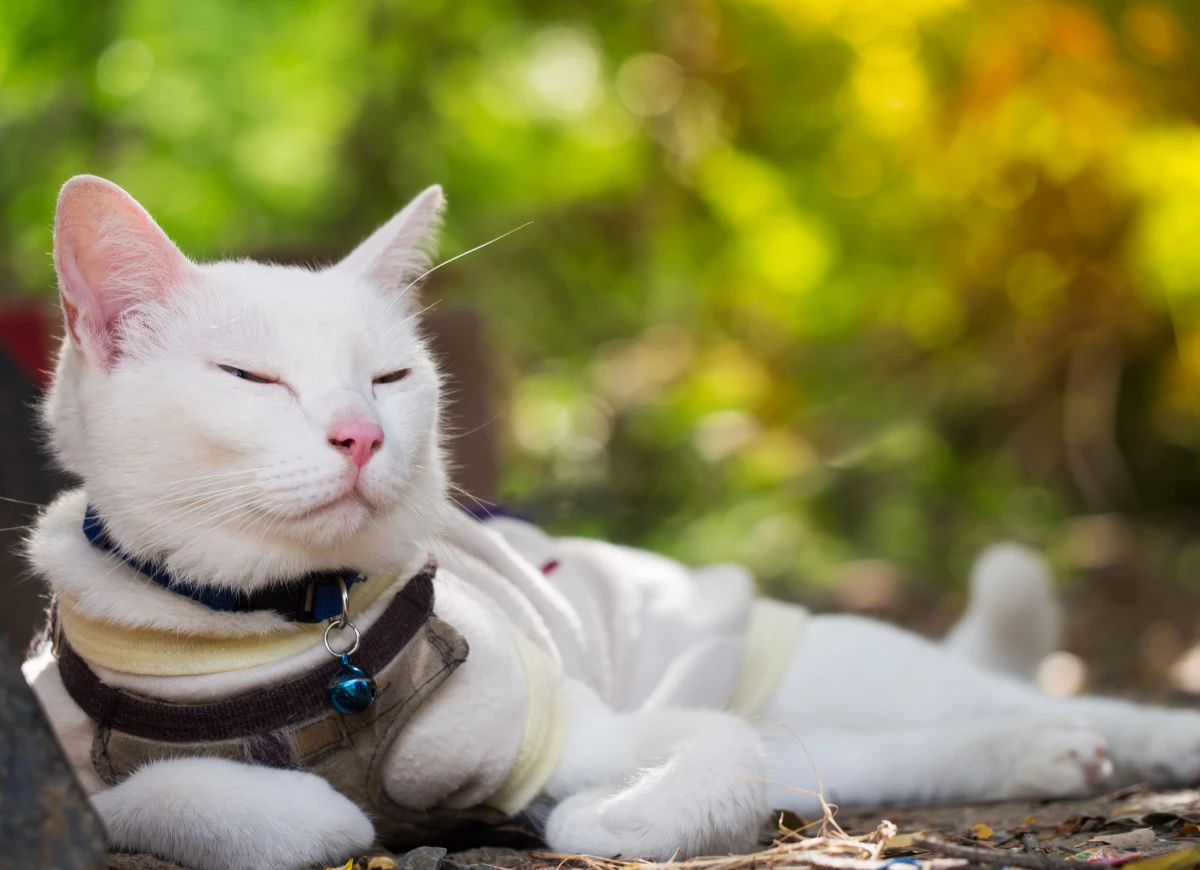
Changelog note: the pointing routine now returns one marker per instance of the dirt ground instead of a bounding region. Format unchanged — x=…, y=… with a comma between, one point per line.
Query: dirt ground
x=1137, y=828
x=1156, y=823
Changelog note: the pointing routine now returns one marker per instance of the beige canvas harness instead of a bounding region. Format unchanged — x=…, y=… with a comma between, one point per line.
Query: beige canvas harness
x=409, y=651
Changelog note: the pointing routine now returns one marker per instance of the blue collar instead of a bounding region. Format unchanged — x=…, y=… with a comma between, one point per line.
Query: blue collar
x=312, y=598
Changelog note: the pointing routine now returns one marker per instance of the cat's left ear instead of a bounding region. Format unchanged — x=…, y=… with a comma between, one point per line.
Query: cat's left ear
x=110, y=256
x=401, y=250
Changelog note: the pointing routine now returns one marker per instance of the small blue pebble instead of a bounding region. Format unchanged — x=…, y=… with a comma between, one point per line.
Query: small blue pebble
x=352, y=689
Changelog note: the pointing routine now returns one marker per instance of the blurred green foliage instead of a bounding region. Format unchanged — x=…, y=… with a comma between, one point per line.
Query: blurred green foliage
x=809, y=280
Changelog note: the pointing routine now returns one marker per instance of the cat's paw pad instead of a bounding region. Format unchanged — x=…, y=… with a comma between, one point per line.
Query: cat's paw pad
x=1059, y=761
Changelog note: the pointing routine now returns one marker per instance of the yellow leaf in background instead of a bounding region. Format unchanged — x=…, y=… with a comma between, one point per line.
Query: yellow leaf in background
x=381, y=862
x=1029, y=820
x=1172, y=861
x=1191, y=829
x=349, y=865
x=981, y=832
x=902, y=841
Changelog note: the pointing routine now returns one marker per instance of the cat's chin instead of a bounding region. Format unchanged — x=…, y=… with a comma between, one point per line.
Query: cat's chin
x=347, y=505
x=332, y=521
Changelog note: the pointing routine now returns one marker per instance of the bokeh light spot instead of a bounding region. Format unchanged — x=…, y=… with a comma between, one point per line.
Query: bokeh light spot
x=124, y=67
x=722, y=433
x=1062, y=675
x=1185, y=673
x=563, y=71
x=649, y=84
x=1151, y=33
x=867, y=584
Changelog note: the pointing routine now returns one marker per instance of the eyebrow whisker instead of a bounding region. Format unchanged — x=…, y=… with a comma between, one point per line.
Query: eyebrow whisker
x=460, y=256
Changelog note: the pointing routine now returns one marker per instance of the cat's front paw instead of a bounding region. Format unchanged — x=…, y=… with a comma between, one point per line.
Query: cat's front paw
x=213, y=814
x=1058, y=760
x=659, y=823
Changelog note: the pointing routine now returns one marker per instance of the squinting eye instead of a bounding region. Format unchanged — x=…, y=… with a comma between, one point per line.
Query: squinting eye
x=392, y=377
x=245, y=375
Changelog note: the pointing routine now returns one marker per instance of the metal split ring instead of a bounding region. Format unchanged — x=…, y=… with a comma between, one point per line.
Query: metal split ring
x=342, y=623
x=345, y=618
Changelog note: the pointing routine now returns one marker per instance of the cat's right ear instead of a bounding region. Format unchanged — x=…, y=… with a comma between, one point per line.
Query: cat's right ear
x=400, y=252
x=110, y=255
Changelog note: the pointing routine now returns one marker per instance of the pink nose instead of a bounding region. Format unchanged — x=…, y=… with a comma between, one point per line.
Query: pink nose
x=358, y=441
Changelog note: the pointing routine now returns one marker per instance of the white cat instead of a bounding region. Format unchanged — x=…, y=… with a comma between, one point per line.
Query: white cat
x=239, y=425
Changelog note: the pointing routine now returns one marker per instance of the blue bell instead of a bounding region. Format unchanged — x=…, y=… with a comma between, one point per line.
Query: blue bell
x=352, y=689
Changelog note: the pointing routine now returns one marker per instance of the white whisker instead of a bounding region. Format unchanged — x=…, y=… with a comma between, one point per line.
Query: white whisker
x=415, y=280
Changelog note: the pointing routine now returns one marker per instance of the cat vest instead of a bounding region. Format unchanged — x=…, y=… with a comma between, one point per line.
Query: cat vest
x=291, y=725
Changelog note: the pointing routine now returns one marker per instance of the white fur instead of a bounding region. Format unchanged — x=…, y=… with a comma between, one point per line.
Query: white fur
x=236, y=484
x=1013, y=620
x=233, y=483
x=656, y=784
x=212, y=814
x=109, y=589
x=468, y=737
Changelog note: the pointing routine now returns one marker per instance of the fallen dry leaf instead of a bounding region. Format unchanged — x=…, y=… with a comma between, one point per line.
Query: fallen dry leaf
x=349, y=865
x=1180, y=860
x=1191, y=829
x=1079, y=824
x=1140, y=837
x=789, y=821
x=381, y=862
x=981, y=832
x=902, y=841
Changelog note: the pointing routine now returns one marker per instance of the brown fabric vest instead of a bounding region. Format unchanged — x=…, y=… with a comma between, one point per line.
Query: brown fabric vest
x=408, y=650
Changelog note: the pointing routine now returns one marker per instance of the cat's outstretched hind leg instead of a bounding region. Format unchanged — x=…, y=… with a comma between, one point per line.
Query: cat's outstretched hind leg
x=213, y=814
x=1148, y=744
x=997, y=758
x=1013, y=619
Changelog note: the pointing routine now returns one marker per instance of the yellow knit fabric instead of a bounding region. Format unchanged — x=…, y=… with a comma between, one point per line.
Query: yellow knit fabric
x=164, y=653
x=773, y=631
x=545, y=730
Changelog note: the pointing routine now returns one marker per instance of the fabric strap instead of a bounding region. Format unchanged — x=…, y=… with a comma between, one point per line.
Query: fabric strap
x=260, y=711
x=546, y=723
x=312, y=598
x=773, y=632
x=150, y=651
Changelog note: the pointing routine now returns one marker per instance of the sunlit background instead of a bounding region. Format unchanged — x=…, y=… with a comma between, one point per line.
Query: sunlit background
x=839, y=289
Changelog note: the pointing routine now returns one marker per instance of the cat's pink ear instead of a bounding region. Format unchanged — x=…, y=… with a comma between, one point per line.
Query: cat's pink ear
x=401, y=250
x=110, y=255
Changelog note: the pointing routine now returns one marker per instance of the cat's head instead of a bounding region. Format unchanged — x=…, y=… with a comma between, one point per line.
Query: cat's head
x=246, y=422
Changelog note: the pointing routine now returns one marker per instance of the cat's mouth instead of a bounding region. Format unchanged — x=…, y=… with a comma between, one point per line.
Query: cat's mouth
x=349, y=501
